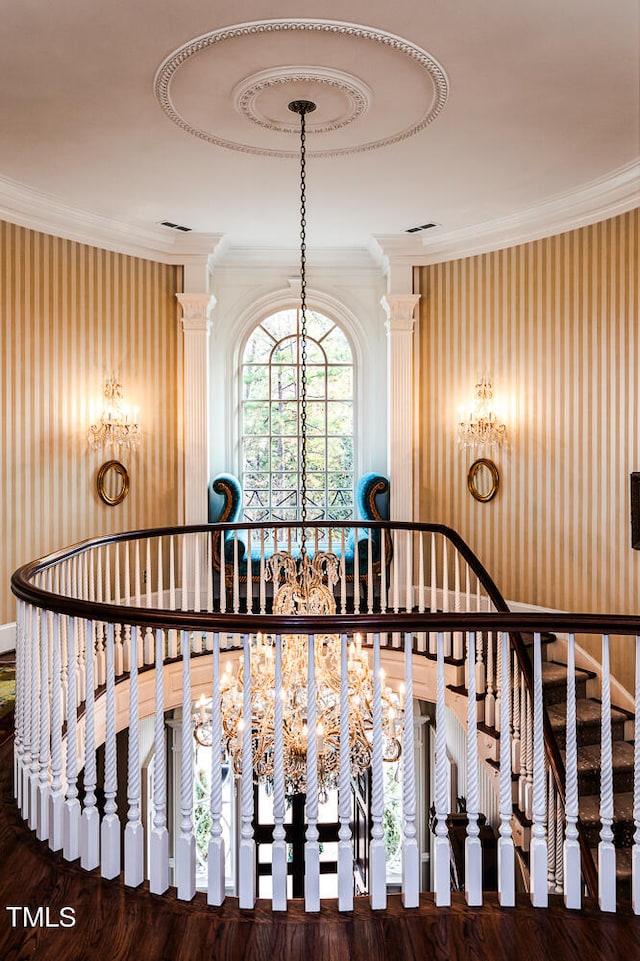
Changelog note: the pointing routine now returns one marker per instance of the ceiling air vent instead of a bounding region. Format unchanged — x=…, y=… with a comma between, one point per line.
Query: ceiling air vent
x=167, y=223
x=414, y=230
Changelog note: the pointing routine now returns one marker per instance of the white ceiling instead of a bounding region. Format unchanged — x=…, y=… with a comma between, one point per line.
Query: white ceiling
x=536, y=125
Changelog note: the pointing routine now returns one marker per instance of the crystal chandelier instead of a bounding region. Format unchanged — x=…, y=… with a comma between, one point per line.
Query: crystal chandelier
x=482, y=429
x=116, y=426
x=303, y=585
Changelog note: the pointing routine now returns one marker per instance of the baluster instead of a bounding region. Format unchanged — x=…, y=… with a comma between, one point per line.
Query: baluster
x=433, y=593
x=100, y=627
x=216, y=851
x=56, y=796
x=250, y=572
x=31, y=789
x=126, y=662
x=223, y=573
x=147, y=643
x=184, y=579
x=551, y=844
x=377, y=858
x=491, y=716
x=27, y=683
x=445, y=592
x=236, y=575
x=209, y=563
x=515, y=744
x=458, y=639
x=186, y=844
x=538, y=852
x=345, y=850
x=42, y=789
x=410, y=852
x=90, y=820
x=247, y=848
x=172, y=636
x=529, y=758
x=311, y=846
x=606, y=850
x=441, y=848
x=572, y=866
x=635, y=853
x=356, y=572
x=559, y=869
x=472, y=846
x=497, y=713
x=18, y=740
x=118, y=653
x=422, y=637
x=279, y=848
x=370, y=570
x=159, y=840
x=110, y=828
x=343, y=574
x=134, y=833
x=263, y=583
x=383, y=570
x=396, y=561
x=506, y=853
x=71, y=820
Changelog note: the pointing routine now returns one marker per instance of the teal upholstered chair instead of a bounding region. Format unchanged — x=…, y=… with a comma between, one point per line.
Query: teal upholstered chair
x=371, y=501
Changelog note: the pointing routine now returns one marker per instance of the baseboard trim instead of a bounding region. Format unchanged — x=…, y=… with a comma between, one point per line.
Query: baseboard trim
x=7, y=637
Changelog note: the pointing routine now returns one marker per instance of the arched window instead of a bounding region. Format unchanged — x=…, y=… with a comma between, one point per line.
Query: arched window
x=270, y=423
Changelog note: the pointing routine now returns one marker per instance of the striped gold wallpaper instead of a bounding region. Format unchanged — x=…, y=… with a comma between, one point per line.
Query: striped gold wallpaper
x=555, y=324
x=71, y=316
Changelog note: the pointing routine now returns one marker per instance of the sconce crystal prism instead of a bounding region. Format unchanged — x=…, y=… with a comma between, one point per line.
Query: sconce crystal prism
x=117, y=427
x=482, y=429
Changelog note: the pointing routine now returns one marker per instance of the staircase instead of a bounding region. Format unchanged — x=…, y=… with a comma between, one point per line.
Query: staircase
x=588, y=713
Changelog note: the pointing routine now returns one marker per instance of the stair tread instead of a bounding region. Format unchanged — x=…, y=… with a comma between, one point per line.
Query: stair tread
x=589, y=756
x=556, y=674
x=622, y=807
x=588, y=711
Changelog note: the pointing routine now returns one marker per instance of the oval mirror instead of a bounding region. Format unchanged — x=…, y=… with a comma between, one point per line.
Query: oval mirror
x=113, y=482
x=483, y=479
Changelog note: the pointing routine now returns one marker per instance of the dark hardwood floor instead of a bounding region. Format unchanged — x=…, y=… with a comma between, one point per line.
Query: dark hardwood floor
x=118, y=924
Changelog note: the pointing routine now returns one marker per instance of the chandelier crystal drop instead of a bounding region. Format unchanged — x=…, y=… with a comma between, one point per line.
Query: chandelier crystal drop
x=482, y=429
x=117, y=427
x=303, y=584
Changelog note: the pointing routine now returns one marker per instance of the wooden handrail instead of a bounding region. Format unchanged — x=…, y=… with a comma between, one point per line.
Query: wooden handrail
x=500, y=620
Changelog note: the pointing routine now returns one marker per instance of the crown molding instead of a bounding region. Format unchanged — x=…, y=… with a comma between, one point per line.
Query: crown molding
x=37, y=210
x=588, y=204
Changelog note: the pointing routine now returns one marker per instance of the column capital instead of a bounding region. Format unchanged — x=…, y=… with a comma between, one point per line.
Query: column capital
x=400, y=309
x=195, y=310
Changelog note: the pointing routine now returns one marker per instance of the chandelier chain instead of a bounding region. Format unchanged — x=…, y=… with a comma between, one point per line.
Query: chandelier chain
x=303, y=333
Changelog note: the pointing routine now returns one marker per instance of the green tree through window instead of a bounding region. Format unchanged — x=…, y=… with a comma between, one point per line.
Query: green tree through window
x=270, y=426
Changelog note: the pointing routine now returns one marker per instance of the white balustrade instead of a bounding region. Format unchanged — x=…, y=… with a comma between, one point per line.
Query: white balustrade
x=68, y=669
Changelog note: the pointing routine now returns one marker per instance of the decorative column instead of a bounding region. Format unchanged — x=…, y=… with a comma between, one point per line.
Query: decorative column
x=195, y=431
x=400, y=309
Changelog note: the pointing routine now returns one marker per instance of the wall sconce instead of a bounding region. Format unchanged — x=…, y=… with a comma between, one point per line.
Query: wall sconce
x=482, y=429
x=117, y=427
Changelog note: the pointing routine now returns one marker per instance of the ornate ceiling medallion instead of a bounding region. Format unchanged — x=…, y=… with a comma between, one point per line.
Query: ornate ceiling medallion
x=344, y=99
x=352, y=98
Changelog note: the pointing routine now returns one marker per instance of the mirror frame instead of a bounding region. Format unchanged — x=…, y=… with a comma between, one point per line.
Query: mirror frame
x=122, y=472
x=474, y=470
